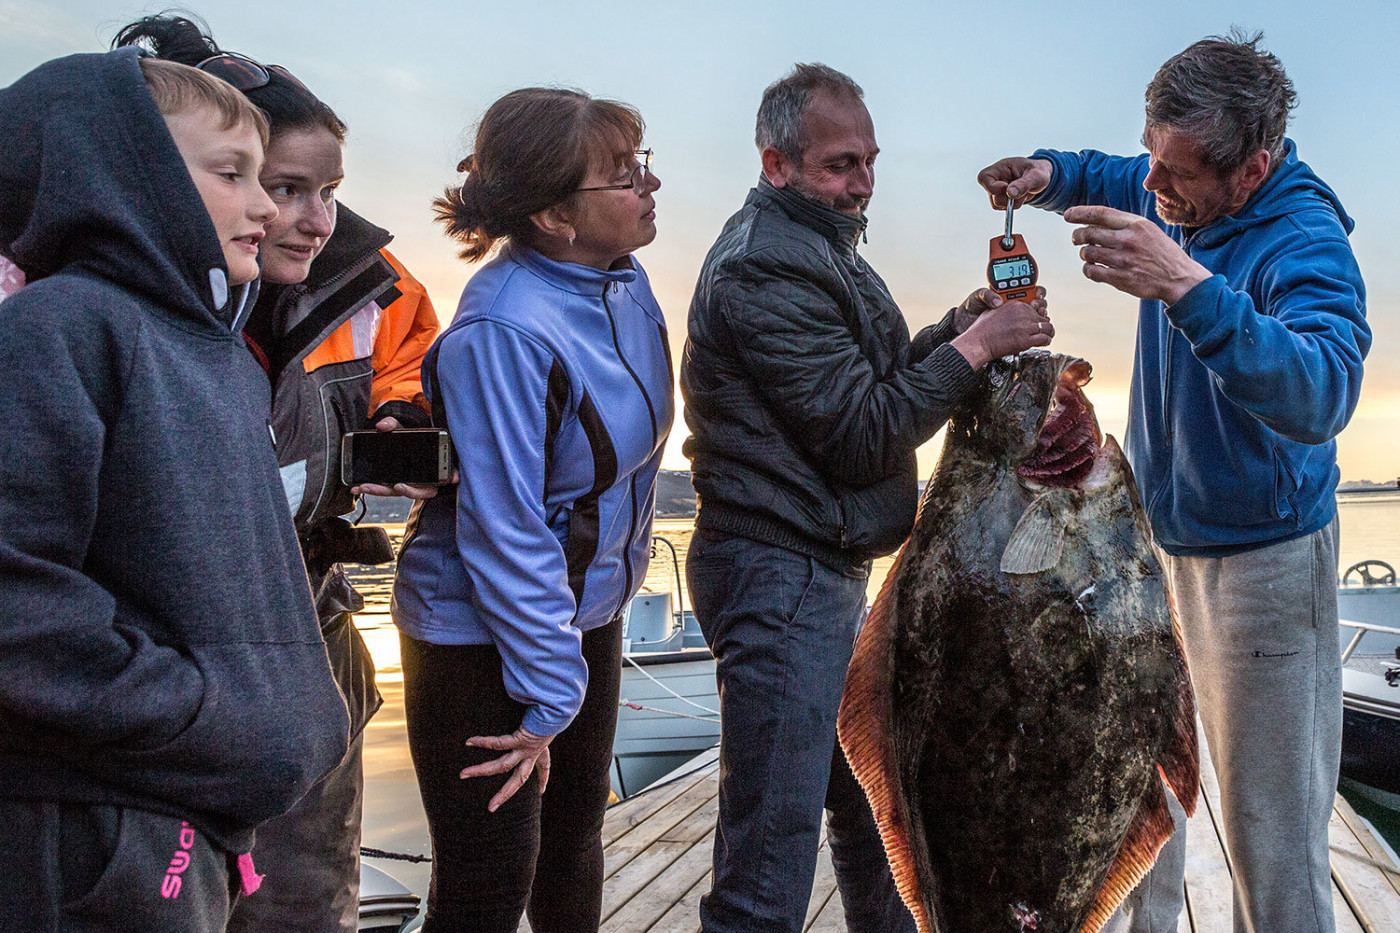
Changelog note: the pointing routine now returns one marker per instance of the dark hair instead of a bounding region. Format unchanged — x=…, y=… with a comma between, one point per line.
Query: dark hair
x=780, y=114
x=1229, y=94
x=178, y=88
x=533, y=150
x=186, y=39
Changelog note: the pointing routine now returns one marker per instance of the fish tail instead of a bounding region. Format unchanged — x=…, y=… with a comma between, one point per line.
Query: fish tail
x=864, y=726
x=1152, y=826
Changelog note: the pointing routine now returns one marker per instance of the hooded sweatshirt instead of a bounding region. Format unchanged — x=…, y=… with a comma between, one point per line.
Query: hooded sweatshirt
x=1239, y=388
x=158, y=645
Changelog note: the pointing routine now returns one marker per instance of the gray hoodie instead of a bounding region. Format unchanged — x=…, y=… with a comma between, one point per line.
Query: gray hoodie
x=158, y=645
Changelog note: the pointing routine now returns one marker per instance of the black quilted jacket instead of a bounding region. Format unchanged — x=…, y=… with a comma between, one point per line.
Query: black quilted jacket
x=802, y=392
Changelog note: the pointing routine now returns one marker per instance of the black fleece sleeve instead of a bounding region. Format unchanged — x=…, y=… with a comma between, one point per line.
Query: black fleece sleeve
x=801, y=354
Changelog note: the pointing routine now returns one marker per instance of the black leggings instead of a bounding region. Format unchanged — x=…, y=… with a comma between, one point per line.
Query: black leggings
x=538, y=852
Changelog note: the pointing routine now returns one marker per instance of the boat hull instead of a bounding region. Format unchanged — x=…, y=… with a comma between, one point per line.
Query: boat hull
x=657, y=731
x=1370, y=704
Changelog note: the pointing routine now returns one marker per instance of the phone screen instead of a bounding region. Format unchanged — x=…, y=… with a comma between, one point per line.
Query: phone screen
x=389, y=457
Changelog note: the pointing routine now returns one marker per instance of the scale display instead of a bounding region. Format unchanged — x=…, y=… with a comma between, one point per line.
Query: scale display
x=1011, y=268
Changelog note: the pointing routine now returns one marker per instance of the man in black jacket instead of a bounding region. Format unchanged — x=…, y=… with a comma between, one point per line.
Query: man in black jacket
x=806, y=401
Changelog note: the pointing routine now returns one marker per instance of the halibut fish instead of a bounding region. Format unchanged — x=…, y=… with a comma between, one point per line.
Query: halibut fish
x=1018, y=695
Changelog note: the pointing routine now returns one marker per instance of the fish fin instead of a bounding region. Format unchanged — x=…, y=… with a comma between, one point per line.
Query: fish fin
x=865, y=728
x=1037, y=540
x=1180, y=761
x=1152, y=826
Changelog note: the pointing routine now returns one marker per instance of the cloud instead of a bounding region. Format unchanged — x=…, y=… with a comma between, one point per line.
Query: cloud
x=403, y=80
x=25, y=22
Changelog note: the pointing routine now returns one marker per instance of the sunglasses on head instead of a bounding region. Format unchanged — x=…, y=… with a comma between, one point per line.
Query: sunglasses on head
x=244, y=73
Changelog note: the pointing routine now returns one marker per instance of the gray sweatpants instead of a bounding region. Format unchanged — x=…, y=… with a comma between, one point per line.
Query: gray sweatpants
x=1261, y=639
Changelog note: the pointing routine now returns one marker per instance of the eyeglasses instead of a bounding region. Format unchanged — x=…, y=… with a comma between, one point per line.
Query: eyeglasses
x=244, y=73
x=637, y=181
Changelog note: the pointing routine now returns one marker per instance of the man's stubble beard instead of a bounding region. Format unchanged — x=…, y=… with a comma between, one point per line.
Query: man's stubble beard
x=851, y=206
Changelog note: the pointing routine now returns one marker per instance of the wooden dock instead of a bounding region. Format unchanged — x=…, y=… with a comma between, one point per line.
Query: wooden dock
x=658, y=848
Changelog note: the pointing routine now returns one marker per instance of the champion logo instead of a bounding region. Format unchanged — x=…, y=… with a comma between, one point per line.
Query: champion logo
x=170, y=885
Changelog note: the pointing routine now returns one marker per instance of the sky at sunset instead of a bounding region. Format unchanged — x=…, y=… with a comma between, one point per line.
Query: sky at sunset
x=951, y=87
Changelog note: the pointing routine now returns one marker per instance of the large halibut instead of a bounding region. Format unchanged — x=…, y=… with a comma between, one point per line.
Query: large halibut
x=1018, y=694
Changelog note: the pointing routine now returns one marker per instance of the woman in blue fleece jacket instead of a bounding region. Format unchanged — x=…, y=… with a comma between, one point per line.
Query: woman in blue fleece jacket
x=555, y=381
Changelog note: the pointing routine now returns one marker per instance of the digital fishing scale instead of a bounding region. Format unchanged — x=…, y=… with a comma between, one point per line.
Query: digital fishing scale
x=1011, y=271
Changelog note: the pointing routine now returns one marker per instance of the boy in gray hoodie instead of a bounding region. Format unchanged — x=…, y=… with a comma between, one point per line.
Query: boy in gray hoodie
x=163, y=683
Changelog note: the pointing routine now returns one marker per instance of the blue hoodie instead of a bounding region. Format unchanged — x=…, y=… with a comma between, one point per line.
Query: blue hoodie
x=1239, y=388
x=556, y=380
x=158, y=645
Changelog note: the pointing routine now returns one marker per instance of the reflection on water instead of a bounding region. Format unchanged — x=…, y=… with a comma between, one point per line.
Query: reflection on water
x=393, y=815
x=393, y=819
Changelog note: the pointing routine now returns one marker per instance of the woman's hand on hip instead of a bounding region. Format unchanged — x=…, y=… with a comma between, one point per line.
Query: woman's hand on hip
x=524, y=752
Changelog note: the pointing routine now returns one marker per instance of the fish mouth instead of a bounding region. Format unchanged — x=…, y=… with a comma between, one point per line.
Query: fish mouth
x=1069, y=441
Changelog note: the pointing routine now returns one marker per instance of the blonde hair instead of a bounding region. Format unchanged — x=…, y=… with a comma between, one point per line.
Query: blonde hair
x=179, y=88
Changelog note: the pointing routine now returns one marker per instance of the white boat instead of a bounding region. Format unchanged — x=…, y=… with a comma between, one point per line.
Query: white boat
x=668, y=711
x=386, y=906
x=1368, y=602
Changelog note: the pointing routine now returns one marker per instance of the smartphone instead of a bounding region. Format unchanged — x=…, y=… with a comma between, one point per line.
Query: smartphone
x=422, y=456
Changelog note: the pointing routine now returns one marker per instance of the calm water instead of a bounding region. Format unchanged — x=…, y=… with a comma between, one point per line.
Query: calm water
x=1370, y=530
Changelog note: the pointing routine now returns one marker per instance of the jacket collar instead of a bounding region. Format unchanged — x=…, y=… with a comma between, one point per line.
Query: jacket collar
x=351, y=250
x=572, y=276
x=842, y=230
x=354, y=241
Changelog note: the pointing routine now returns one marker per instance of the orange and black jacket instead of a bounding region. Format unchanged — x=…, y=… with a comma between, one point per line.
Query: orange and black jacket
x=343, y=350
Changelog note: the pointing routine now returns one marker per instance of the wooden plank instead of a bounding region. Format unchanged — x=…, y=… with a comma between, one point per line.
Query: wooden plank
x=1208, y=885
x=674, y=881
x=657, y=825
x=823, y=885
x=1373, y=846
x=831, y=918
x=626, y=816
x=1366, y=888
x=684, y=915
x=644, y=869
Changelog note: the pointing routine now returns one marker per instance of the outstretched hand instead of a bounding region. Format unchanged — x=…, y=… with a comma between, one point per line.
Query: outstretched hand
x=1133, y=254
x=524, y=753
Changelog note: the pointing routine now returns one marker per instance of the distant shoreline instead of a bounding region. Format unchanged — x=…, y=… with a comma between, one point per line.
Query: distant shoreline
x=675, y=498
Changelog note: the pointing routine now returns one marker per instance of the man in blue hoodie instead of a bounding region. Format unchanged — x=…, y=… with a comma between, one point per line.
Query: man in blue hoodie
x=1251, y=336
x=164, y=687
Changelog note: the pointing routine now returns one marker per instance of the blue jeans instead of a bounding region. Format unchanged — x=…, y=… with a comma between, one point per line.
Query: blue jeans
x=782, y=626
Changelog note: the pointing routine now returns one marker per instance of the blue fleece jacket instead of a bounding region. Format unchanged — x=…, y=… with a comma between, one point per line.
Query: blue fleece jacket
x=556, y=380
x=1239, y=388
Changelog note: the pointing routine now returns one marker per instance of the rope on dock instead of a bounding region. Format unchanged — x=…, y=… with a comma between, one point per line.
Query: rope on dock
x=1374, y=863
x=371, y=852
x=686, y=700
x=668, y=712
